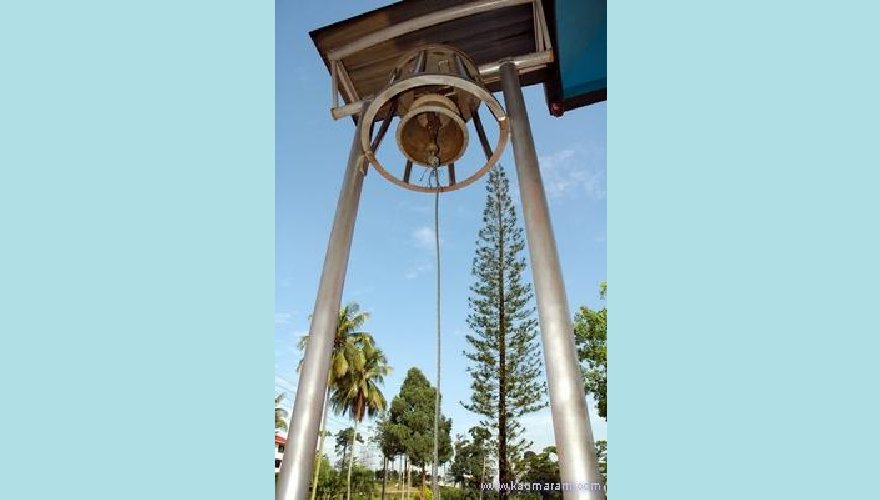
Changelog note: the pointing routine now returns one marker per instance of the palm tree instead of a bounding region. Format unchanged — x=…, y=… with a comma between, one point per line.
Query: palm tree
x=358, y=395
x=347, y=345
x=280, y=413
x=346, y=342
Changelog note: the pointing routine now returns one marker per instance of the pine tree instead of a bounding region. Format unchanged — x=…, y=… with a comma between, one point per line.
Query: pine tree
x=505, y=360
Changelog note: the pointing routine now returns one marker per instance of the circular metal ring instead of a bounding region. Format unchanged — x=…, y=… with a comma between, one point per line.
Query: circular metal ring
x=429, y=80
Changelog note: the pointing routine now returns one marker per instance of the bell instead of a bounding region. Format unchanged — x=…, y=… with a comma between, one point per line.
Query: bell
x=435, y=91
x=432, y=132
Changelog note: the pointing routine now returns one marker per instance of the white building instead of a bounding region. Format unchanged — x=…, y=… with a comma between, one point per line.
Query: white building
x=280, y=442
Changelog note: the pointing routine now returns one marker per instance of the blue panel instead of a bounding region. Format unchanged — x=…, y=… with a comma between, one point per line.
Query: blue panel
x=582, y=41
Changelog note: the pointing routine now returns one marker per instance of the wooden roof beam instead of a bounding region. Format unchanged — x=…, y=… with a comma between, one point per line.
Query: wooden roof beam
x=402, y=28
x=488, y=72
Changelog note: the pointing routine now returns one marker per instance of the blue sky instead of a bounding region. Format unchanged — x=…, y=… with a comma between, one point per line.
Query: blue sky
x=391, y=272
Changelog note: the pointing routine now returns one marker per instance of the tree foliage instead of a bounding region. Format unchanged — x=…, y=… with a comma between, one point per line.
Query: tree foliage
x=388, y=440
x=505, y=363
x=280, y=413
x=350, y=345
x=410, y=427
x=471, y=464
x=602, y=455
x=332, y=483
x=358, y=393
x=389, y=437
x=541, y=467
x=347, y=343
x=344, y=439
x=591, y=333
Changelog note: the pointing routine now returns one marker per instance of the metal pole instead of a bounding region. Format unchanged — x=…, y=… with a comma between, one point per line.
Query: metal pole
x=296, y=466
x=435, y=487
x=571, y=425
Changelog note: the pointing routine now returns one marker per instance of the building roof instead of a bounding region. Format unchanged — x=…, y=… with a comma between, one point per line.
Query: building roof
x=367, y=47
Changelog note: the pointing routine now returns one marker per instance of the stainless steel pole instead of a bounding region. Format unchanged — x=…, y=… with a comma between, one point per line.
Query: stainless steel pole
x=571, y=425
x=305, y=419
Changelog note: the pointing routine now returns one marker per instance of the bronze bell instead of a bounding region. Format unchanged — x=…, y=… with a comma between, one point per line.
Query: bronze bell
x=432, y=133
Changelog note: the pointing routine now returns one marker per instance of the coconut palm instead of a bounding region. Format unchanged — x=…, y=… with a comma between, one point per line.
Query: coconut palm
x=280, y=413
x=347, y=353
x=346, y=342
x=358, y=395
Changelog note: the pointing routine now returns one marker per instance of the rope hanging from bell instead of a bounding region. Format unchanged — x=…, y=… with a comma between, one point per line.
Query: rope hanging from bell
x=435, y=181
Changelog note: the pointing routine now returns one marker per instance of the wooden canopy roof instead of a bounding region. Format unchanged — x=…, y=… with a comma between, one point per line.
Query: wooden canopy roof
x=361, y=52
x=367, y=47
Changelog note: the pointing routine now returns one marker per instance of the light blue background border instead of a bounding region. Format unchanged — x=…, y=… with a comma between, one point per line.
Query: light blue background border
x=136, y=207
x=743, y=250
x=136, y=213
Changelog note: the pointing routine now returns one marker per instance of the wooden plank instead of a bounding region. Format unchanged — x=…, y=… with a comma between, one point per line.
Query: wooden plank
x=418, y=23
x=486, y=37
x=481, y=133
x=533, y=68
x=542, y=23
x=507, y=29
x=334, y=91
x=384, y=127
x=371, y=79
x=346, y=31
x=347, y=85
x=480, y=33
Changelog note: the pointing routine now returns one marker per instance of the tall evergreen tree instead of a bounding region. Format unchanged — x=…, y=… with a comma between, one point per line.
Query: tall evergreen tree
x=505, y=360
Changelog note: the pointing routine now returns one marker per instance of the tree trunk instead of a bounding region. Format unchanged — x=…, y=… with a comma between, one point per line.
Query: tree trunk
x=482, y=475
x=408, y=477
x=351, y=459
x=384, y=476
x=320, y=443
x=400, y=475
x=502, y=370
x=422, y=486
x=404, y=479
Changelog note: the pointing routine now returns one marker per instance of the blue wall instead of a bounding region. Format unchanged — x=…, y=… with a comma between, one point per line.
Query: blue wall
x=581, y=32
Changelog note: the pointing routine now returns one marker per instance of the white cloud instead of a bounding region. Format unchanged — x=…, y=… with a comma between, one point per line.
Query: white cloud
x=574, y=171
x=416, y=271
x=282, y=318
x=423, y=237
